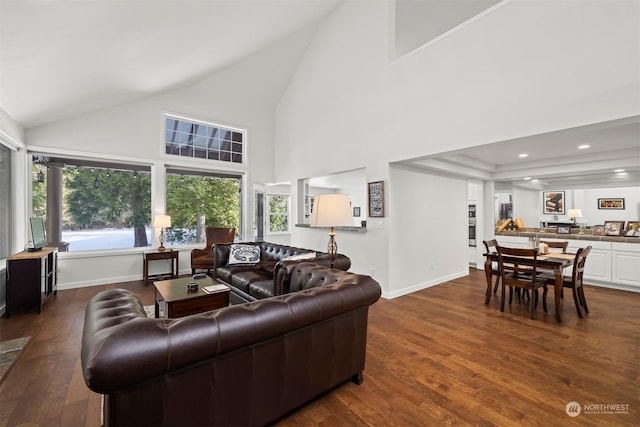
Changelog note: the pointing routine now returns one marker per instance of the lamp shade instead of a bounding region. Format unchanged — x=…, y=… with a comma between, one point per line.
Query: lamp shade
x=162, y=221
x=574, y=213
x=331, y=210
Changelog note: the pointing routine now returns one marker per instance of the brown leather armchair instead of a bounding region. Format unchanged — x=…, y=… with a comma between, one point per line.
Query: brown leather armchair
x=202, y=258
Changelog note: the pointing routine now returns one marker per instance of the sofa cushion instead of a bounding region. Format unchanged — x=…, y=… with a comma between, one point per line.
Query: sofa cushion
x=244, y=254
x=261, y=289
x=242, y=280
x=225, y=273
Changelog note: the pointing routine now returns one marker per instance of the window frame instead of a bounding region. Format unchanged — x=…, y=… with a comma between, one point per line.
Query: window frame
x=213, y=173
x=269, y=213
x=203, y=160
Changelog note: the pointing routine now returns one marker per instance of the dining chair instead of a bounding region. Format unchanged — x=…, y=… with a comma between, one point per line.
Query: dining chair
x=556, y=245
x=521, y=275
x=575, y=280
x=490, y=246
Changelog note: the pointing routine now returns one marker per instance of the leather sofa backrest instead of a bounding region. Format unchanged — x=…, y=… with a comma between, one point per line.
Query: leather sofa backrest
x=275, y=252
x=119, y=338
x=306, y=275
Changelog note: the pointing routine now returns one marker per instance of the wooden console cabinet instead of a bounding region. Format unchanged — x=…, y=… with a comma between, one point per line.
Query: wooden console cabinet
x=31, y=279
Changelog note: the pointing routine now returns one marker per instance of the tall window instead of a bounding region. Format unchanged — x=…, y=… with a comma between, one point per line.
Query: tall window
x=196, y=200
x=103, y=205
x=278, y=215
x=189, y=138
x=5, y=200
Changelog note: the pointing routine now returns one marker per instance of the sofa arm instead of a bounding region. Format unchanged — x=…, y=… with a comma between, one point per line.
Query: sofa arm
x=220, y=252
x=195, y=253
x=283, y=269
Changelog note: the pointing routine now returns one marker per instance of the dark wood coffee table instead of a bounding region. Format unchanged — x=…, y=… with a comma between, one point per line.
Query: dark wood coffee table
x=177, y=301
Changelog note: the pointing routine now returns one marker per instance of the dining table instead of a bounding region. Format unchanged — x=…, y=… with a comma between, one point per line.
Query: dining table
x=553, y=261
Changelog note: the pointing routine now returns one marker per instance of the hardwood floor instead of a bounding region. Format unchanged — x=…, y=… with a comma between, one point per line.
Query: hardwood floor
x=439, y=356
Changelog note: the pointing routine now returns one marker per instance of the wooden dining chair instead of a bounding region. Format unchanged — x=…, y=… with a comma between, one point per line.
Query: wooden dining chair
x=575, y=280
x=521, y=275
x=556, y=245
x=490, y=246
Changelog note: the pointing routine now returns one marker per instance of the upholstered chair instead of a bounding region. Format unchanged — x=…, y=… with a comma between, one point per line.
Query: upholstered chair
x=202, y=258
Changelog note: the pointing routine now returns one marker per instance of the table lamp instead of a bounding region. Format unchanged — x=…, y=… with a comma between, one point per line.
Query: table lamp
x=331, y=210
x=162, y=221
x=574, y=214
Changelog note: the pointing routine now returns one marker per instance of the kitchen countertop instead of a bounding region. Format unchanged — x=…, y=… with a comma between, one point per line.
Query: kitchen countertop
x=573, y=236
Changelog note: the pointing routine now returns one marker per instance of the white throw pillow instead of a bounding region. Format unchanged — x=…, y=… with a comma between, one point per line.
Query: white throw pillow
x=244, y=255
x=300, y=256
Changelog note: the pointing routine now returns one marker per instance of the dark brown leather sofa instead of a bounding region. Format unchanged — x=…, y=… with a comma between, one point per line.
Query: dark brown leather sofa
x=270, y=276
x=242, y=365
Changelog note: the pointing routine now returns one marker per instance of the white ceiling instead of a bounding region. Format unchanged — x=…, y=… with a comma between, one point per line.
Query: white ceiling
x=60, y=58
x=553, y=159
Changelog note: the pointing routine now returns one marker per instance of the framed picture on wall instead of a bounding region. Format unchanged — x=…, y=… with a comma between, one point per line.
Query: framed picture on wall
x=553, y=202
x=356, y=211
x=376, y=199
x=617, y=204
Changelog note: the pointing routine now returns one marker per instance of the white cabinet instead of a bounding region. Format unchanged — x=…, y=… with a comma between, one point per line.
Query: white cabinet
x=513, y=241
x=598, y=262
x=625, y=260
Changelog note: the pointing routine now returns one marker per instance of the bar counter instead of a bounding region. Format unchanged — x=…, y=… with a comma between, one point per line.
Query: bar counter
x=533, y=232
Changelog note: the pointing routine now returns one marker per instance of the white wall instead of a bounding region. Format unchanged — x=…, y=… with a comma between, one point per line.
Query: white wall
x=506, y=75
x=134, y=132
x=527, y=204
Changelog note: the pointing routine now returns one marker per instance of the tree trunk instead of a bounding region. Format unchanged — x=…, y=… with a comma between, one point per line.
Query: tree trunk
x=200, y=226
x=140, y=234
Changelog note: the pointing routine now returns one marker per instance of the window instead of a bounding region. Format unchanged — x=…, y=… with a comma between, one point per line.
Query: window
x=278, y=214
x=196, y=200
x=188, y=138
x=104, y=205
x=5, y=200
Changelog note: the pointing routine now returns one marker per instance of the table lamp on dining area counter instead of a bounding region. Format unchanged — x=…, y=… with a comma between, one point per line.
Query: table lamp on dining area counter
x=574, y=214
x=162, y=221
x=331, y=210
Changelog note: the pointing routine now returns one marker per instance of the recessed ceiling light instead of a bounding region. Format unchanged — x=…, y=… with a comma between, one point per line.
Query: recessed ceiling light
x=523, y=155
x=534, y=180
x=527, y=178
x=583, y=146
x=618, y=170
x=621, y=174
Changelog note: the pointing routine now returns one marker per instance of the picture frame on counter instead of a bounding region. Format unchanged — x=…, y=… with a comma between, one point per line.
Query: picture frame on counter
x=564, y=229
x=613, y=228
x=598, y=230
x=553, y=202
x=616, y=203
x=633, y=229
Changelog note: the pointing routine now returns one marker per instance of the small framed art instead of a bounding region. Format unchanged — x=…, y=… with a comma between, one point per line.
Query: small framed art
x=598, y=230
x=613, y=228
x=617, y=204
x=356, y=211
x=553, y=202
x=633, y=229
x=564, y=229
x=376, y=199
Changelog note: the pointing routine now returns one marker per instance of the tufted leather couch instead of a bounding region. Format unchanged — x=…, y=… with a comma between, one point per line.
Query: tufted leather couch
x=242, y=365
x=270, y=276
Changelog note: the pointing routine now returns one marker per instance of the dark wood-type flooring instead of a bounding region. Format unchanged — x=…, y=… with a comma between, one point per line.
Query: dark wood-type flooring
x=436, y=357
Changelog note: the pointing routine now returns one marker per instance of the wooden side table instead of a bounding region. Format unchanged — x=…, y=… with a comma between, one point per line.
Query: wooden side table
x=155, y=255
